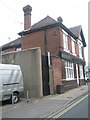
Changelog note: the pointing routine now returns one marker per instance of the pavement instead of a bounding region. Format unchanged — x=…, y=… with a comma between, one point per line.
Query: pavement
x=44, y=107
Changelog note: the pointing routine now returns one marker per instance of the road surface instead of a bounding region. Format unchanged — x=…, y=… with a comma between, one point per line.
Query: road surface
x=79, y=109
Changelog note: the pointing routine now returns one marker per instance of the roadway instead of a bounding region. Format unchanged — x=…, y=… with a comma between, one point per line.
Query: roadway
x=79, y=109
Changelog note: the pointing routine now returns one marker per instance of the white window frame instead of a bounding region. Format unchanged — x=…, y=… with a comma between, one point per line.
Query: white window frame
x=65, y=39
x=73, y=47
x=18, y=49
x=69, y=67
x=80, y=49
x=81, y=71
x=2, y=52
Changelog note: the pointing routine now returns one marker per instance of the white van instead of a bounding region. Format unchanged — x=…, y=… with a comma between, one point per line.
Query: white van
x=11, y=82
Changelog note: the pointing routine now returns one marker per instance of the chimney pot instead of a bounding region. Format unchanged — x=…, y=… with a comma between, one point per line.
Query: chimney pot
x=60, y=19
x=27, y=9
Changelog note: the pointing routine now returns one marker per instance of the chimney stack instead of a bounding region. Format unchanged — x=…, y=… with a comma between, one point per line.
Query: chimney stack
x=27, y=17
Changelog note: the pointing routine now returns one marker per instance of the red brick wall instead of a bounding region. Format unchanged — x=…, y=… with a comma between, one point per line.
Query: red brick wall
x=27, y=21
x=53, y=40
x=56, y=72
x=61, y=39
x=70, y=84
x=32, y=40
x=37, y=39
x=63, y=70
x=77, y=49
x=69, y=43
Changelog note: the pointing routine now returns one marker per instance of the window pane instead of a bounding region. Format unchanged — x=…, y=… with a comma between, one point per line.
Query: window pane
x=73, y=47
x=65, y=41
x=81, y=71
x=69, y=70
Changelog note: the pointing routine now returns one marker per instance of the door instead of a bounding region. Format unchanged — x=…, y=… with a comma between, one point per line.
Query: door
x=45, y=76
x=77, y=74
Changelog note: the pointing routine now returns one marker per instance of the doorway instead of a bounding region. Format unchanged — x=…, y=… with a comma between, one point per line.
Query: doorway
x=45, y=76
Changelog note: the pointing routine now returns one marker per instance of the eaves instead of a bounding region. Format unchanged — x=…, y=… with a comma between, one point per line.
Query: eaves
x=47, y=27
x=13, y=46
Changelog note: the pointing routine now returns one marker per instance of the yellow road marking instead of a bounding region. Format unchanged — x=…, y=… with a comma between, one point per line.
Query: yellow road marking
x=67, y=109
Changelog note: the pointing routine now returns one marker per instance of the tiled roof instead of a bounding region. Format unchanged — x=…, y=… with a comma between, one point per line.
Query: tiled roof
x=76, y=30
x=44, y=22
x=16, y=42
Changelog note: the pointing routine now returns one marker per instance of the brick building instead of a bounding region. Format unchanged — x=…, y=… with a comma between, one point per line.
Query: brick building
x=11, y=46
x=63, y=47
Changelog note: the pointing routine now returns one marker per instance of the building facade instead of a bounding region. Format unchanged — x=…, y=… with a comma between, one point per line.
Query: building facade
x=63, y=47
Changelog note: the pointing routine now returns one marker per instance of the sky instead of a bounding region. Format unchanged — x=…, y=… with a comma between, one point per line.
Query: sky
x=73, y=12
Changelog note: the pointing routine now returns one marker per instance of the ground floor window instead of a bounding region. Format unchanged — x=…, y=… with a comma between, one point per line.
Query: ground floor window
x=81, y=71
x=69, y=67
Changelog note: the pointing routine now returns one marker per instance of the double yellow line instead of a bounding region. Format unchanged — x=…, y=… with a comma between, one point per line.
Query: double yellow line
x=67, y=109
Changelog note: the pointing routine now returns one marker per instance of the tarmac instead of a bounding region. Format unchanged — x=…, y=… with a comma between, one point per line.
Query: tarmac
x=45, y=107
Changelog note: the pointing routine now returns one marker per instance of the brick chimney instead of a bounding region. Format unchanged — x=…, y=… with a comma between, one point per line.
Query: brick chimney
x=27, y=16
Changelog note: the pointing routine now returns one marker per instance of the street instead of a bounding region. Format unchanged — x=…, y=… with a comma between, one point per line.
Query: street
x=46, y=107
x=78, y=109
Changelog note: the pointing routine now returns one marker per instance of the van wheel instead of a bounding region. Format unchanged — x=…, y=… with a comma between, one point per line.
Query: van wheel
x=15, y=98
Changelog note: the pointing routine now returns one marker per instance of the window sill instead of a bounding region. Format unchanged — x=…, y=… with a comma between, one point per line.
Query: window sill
x=80, y=57
x=82, y=78
x=67, y=51
x=69, y=79
x=74, y=54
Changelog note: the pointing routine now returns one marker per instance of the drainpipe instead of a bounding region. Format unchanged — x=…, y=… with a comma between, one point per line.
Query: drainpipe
x=45, y=38
x=60, y=47
x=59, y=38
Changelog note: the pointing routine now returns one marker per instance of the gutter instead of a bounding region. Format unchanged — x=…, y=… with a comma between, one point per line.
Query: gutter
x=46, y=27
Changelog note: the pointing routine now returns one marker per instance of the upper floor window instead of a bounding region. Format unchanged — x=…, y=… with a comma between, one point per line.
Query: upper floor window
x=73, y=46
x=65, y=41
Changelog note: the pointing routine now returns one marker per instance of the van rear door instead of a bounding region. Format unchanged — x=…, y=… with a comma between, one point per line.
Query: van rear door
x=0, y=85
x=10, y=81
